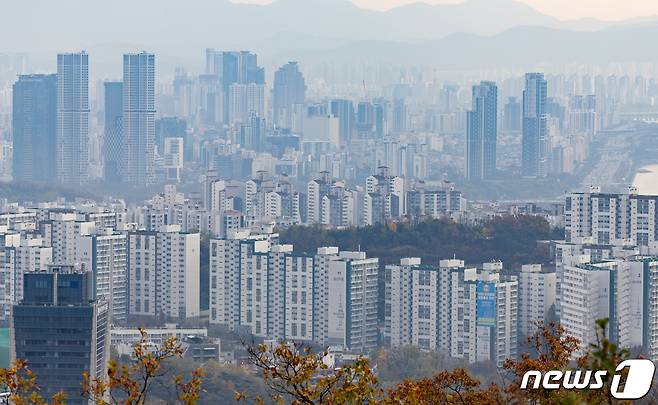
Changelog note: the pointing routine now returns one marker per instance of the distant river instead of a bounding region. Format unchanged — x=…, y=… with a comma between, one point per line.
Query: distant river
x=646, y=180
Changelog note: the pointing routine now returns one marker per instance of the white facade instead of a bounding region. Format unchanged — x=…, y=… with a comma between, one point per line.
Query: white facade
x=17, y=257
x=316, y=190
x=351, y=305
x=164, y=273
x=226, y=257
x=413, y=306
x=268, y=290
x=536, y=297
x=620, y=290
x=612, y=219
x=322, y=129
x=384, y=197
x=105, y=256
x=585, y=298
x=453, y=309
x=173, y=158
x=61, y=232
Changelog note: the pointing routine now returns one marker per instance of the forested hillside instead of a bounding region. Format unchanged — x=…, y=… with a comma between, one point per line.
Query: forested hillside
x=512, y=239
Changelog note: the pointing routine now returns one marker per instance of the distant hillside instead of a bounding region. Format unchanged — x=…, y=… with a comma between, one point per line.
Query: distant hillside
x=38, y=192
x=76, y=23
x=473, y=34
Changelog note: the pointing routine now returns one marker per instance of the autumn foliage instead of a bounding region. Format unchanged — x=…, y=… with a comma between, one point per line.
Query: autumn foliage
x=297, y=375
x=125, y=384
x=129, y=384
x=21, y=385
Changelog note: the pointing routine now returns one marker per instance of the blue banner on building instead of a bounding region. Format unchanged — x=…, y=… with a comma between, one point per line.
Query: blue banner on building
x=485, y=303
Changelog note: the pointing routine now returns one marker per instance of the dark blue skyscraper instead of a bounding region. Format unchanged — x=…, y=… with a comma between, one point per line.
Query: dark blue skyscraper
x=289, y=91
x=62, y=331
x=365, y=119
x=344, y=111
x=34, y=123
x=482, y=132
x=113, y=143
x=534, y=154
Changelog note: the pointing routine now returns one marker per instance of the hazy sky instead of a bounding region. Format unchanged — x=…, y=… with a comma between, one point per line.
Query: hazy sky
x=564, y=9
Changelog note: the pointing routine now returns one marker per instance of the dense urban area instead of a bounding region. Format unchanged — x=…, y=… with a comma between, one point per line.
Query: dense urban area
x=423, y=218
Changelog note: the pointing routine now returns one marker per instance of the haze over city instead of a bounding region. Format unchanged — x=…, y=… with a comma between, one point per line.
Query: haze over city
x=326, y=201
x=612, y=10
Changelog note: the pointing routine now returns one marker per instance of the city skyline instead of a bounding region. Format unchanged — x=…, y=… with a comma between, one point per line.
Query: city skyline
x=428, y=186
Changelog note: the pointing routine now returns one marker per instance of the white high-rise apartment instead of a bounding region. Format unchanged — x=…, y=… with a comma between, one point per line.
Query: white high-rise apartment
x=298, y=301
x=536, y=297
x=425, y=291
x=622, y=290
x=138, y=165
x=351, y=304
x=445, y=202
x=104, y=254
x=600, y=218
x=413, y=307
x=226, y=258
x=266, y=289
x=164, y=273
x=384, y=197
x=316, y=190
x=571, y=254
x=467, y=313
x=173, y=158
x=62, y=232
x=17, y=257
x=340, y=207
x=587, y=291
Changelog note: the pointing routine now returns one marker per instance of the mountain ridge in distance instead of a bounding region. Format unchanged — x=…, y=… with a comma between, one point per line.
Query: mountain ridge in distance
x=48, y=25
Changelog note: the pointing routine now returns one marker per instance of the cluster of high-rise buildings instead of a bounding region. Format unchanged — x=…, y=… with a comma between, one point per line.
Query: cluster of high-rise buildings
x=254, y=158
x=554, y=138
x=51, y=123
x=606, y=267
x=93, y=267
x=140, y=131
x=70, y=273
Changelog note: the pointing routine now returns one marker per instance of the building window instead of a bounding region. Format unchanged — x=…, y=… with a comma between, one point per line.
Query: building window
x=423, y=312
x=424, y=278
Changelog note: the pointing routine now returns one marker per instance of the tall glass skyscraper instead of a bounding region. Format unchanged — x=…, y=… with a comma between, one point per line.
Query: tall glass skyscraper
x=242, y=82
x=138, y=118
x=482, y=132
x=344, y=110
x=289, y=90
x=73, y=118
x=34, y=123
x=113, y=144
x=534, y=159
